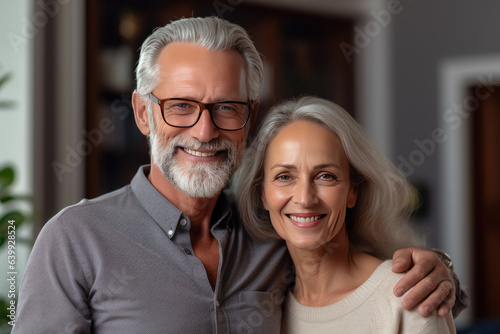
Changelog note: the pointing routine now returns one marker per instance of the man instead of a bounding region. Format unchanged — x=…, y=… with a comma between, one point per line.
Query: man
x=167, y=254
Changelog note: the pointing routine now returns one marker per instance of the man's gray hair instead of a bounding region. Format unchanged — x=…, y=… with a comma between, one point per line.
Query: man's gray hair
x=210, y=32
x=379, y=222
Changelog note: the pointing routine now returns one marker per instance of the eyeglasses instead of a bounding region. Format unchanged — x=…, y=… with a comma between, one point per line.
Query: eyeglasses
x=184, y=113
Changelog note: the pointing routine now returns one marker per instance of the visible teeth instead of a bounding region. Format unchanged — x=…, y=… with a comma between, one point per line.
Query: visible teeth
x=303, y=220
x=200, y=154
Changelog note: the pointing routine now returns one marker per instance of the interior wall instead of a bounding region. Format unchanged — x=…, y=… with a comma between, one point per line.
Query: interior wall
x=425, y=35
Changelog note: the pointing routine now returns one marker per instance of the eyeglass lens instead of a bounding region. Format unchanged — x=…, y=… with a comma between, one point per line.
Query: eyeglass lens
x=225, y=115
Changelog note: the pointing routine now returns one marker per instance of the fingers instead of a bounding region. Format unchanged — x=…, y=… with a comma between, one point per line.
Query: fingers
x=431, y=280
x=442, y=298
x=447, y=306
x=436, y=290
x=421, y=290
x=418, y=277
x=402, y=260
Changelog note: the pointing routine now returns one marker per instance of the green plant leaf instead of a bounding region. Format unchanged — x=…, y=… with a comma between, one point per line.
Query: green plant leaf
x=6, y=77
x=7, y=104
x=6, y=177
x=8, y=198
x=14, y=215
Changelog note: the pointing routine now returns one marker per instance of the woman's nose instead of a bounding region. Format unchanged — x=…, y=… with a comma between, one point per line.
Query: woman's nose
x=305, y=194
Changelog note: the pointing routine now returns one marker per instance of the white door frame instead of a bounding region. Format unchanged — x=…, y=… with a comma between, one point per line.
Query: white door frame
x=457, y=103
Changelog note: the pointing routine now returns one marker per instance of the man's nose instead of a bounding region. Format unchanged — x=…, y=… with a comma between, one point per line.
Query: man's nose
x=204, y=130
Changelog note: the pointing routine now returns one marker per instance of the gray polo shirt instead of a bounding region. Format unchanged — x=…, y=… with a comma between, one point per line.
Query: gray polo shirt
x=124, y=263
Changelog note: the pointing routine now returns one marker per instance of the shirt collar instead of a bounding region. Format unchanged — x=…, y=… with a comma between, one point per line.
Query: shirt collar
x=167, y=215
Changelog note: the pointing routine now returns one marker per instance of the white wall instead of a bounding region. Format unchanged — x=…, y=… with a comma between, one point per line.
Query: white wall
x=16, y=128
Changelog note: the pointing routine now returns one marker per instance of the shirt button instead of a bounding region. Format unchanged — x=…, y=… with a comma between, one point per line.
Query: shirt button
x=183, y=222
x=217, y=303
x=170, y=233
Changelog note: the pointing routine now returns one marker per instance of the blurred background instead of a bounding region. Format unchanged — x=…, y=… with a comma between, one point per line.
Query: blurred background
x=423, y=79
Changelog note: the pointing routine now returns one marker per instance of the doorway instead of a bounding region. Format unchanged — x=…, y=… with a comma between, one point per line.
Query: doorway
x=486, y=207
x=467, y=85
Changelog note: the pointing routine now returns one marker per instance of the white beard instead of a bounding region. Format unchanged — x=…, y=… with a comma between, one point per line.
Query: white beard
x=204, y=180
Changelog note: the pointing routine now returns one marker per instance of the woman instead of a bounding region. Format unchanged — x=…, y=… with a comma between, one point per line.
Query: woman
x=313, y=178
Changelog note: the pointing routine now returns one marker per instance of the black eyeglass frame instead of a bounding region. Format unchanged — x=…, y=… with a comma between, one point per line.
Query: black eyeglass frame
x=203, y=106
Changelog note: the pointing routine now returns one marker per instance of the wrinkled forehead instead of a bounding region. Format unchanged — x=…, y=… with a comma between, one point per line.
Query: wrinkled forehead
x=306, y=141
x=203, y=72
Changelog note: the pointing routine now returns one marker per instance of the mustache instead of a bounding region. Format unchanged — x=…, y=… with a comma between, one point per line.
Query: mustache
x=217, y=144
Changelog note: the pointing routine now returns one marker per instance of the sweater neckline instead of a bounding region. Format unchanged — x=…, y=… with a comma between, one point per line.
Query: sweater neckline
x=344, y=306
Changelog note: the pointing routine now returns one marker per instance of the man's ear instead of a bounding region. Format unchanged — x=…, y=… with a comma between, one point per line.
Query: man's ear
x=140, y=113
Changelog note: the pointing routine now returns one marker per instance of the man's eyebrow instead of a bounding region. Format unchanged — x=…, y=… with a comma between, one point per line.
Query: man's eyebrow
x=225, y=99
x=217, y=100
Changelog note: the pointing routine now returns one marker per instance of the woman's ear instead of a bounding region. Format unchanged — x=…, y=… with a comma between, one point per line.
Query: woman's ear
x=140, y=113
x=352, y=196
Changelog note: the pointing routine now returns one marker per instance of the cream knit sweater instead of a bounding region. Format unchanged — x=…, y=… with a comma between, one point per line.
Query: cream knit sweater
x=371, y=308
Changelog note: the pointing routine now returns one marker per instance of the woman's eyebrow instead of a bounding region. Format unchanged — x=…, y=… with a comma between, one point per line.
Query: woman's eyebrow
x=283, y=166
x=327, y=165
x=288, y=166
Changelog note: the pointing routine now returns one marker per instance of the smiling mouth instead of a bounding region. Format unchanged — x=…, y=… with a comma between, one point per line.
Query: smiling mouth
x=305, y=220
x=199, y=153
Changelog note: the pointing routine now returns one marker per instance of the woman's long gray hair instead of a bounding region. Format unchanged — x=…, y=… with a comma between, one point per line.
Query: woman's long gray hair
x=379, y=222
